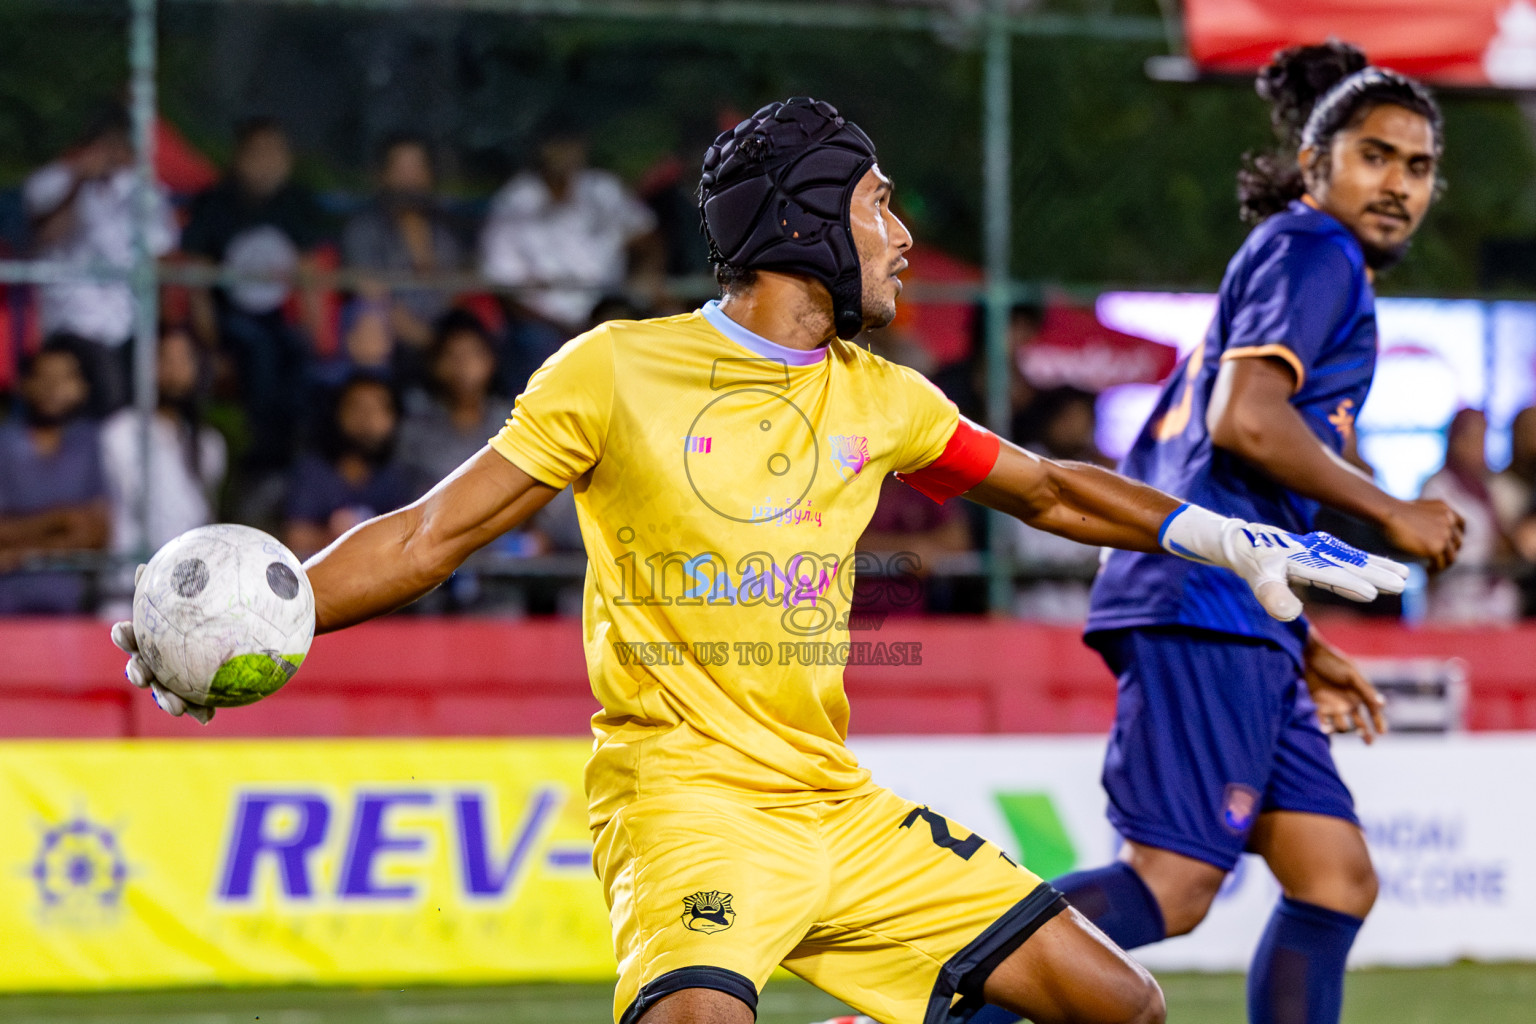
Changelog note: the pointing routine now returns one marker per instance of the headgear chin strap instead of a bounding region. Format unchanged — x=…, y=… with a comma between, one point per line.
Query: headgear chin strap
x=775, y=195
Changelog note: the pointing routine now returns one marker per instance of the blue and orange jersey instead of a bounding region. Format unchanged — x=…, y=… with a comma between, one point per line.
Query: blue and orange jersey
x=1297, y=291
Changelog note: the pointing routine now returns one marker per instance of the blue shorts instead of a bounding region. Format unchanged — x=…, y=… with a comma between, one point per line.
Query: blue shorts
x=1211, y=730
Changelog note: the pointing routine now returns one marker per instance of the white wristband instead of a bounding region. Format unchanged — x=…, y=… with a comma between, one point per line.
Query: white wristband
x=1195, y=533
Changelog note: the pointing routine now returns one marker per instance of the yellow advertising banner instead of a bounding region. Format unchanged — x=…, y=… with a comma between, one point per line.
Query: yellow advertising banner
x=153, y=863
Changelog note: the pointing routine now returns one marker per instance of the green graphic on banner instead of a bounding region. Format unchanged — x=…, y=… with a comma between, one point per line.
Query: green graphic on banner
x=1044, y=845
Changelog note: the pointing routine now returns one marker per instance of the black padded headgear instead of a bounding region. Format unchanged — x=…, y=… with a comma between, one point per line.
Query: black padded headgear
x=775, y=195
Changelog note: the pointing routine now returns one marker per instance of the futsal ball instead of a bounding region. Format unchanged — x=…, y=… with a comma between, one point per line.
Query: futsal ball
x=224, y=615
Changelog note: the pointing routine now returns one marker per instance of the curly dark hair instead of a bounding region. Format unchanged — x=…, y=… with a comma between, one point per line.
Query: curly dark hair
x=1314, y=92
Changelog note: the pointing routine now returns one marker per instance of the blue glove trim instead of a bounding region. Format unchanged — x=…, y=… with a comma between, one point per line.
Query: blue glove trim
x=1162, y=531
x=1180, y=549
x=1329, y=546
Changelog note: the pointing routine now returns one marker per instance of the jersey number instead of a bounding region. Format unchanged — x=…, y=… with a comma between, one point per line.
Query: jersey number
x=965, y=849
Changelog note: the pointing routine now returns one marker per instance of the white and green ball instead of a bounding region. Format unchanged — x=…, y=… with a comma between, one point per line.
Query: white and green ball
x=224, y=615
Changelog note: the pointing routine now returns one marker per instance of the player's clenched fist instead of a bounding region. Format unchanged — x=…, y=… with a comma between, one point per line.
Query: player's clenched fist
x=1427, y=528
x=1270, y=559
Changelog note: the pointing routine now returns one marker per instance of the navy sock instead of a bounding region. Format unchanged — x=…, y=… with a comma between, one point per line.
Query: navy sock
x=1116, y=900
x=1297, y=975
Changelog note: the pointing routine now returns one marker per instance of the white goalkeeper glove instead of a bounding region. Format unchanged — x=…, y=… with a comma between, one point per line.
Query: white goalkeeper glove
x=1270, y=559
x=139, y=674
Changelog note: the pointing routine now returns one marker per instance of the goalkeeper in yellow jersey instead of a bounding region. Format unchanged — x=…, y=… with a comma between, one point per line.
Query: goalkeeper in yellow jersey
x=725, y=463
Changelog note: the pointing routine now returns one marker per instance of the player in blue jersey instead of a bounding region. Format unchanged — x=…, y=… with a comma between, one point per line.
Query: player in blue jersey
x=1219, y=743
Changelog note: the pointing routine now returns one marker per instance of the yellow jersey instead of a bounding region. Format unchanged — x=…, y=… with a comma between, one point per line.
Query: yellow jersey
x=721, y=483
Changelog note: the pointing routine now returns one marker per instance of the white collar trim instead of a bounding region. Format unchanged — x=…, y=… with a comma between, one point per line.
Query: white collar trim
x=754, y=342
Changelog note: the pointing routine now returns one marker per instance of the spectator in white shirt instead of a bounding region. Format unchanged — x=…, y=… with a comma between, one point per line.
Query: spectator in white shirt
x=187, y=457
x=82, y=208
x=1514, y=490
x=571, y=232
x=1472, y=590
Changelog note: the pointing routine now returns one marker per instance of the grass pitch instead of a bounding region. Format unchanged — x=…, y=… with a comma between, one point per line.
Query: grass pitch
x=1485, y=993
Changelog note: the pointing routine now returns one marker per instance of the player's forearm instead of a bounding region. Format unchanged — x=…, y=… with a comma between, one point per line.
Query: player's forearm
x=391, y=560
x=1099, y=507
x=373, y=568
x=1278, y=441
x=1085, y=503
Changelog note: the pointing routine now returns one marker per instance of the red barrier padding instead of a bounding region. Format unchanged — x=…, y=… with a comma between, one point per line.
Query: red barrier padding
x=477, y=677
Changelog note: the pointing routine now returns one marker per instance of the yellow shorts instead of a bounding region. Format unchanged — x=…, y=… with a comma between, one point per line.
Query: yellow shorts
x=884, y=904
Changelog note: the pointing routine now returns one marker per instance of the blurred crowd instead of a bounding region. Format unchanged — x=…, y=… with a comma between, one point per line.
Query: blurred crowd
x=302, y=408
x=1491, y=580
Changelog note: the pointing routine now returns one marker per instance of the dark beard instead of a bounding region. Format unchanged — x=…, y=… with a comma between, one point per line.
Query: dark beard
x=186, y=409
x=375, y=454
x=40, y=420
x=874, y=316
x=1380, y=258
x=398, y=201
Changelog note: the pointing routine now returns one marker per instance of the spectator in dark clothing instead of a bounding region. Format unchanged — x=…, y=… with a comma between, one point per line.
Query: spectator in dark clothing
x=965, y=382
x=1062, y=425
x=405, y=230
x=258, y=221
x=449, y=424
x=667, y=187
x=453, y=421
x=366, y=347
x=354, y=476
x=52, y=492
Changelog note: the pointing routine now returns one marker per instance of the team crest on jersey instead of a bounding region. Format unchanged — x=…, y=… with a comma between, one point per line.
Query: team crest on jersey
x=1343, y=420
x=850, y=454
x=708, y=912
x=1239, y=805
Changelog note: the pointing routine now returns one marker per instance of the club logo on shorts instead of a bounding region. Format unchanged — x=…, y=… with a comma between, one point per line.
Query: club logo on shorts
x=708, y=912
x=1238, y=806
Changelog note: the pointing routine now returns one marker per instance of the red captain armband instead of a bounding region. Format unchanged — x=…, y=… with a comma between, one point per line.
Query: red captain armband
x=965, y=462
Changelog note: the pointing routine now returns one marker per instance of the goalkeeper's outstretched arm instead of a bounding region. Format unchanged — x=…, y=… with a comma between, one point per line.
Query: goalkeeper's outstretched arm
x=1086, y=503
x=391, y=560
x=1094, y=506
